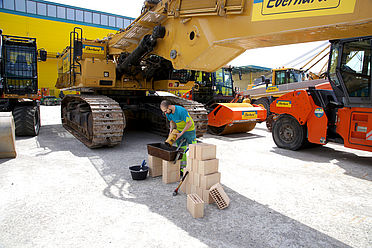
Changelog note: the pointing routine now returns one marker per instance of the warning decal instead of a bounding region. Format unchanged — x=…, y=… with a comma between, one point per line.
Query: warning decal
x=369, y=136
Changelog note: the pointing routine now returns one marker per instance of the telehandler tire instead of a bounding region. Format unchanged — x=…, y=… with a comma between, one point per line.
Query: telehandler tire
x=264, y=102
x=288, y=133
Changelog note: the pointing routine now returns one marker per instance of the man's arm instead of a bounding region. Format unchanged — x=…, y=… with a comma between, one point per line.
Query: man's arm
x=172, y=125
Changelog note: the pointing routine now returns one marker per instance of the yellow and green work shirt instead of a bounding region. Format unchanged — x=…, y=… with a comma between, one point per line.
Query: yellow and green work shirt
x=181, y=117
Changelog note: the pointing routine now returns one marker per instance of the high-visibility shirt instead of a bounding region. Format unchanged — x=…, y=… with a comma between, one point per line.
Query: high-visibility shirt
x=181, y=117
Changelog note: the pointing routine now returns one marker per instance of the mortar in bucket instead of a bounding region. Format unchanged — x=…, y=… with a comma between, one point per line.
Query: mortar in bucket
x=139, y=172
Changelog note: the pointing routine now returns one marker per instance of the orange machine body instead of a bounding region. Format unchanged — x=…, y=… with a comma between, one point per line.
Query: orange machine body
x=233, y=113
x=354, y=125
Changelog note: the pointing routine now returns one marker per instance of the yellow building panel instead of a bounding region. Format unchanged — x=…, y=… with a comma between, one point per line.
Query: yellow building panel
x=51, y=35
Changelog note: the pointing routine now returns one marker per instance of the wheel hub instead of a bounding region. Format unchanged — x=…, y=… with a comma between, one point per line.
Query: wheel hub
x=286, y=133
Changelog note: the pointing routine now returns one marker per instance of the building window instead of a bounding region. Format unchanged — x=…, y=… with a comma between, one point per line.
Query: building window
x=126, y=23
x=96, y=18
x=104, y=19
x=31, y=7
x=70, y=14
x=41, y=9
x=88, y=17
x=119, y=22
x=112, y=21
x=61, y=12
x=52, y=10
x=79, y=15
x=9, y=4
x=20, y=5
x=1, y=3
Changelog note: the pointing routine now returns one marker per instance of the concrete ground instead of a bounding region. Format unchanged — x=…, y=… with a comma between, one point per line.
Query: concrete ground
x=58, y=193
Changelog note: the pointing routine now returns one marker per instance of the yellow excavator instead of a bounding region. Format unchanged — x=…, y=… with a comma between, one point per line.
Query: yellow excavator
x=118, y=74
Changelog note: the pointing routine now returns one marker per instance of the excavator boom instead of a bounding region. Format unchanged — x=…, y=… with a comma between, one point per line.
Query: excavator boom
x=205, y=35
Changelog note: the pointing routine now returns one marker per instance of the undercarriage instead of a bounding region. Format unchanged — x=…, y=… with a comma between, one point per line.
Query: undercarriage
x=99, y=120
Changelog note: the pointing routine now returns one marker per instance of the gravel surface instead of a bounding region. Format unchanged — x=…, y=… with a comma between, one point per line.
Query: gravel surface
x=58, y=193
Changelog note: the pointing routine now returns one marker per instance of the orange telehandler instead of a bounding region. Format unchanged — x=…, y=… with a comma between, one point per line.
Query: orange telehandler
x=115, y=73
x=342, y=115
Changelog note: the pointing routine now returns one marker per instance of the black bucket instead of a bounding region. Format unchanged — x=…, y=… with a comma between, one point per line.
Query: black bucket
x=138, y=172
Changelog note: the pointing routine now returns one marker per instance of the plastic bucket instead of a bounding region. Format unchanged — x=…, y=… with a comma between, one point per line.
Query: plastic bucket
x=139, y=173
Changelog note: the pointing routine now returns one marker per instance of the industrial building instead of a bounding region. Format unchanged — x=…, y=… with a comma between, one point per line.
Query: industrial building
x=50, y=23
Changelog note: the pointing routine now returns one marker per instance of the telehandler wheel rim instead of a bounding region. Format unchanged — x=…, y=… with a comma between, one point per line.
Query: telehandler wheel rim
x=288, y=133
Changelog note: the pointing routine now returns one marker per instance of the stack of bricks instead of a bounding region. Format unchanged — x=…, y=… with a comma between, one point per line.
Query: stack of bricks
x=169, y=171
x=202, y=166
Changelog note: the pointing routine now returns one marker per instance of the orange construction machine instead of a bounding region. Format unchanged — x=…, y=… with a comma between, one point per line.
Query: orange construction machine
x=342, y=115
x=225, y=115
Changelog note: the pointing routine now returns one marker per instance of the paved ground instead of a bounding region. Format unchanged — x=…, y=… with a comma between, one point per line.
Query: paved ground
x=58, y=193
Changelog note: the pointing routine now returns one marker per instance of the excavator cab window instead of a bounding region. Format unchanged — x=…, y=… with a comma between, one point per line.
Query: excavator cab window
x=280, y=77
x=355, y=68
x=294, y=76
x=223, y=82
x=19, y=65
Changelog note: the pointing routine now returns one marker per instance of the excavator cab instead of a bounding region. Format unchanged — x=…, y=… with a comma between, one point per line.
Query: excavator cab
x=287, y=75
x=223, y=83
x=213, y=87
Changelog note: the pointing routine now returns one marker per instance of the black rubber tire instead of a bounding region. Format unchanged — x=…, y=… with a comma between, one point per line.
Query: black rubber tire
x=263, y=101
x=27, y=120
x=288, y=133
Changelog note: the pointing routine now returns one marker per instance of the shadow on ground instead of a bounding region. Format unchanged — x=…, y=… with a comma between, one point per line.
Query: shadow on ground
x=356, y=166
x=235, y=137
x=245, y=223
x=3, y=160
x=262, y=129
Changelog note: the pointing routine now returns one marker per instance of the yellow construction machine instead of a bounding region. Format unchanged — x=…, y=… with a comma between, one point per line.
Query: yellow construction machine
x=18, y=90
x=118, y=74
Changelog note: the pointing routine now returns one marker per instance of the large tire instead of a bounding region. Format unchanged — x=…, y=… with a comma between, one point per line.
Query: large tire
x=264, y=102
x=288, y=133
x=27, y=120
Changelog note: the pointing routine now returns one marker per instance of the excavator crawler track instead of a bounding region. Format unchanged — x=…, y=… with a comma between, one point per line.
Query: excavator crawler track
x=95, y=120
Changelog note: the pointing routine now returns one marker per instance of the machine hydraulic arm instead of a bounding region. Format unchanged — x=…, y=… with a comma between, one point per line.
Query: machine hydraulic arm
x=205, y=35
